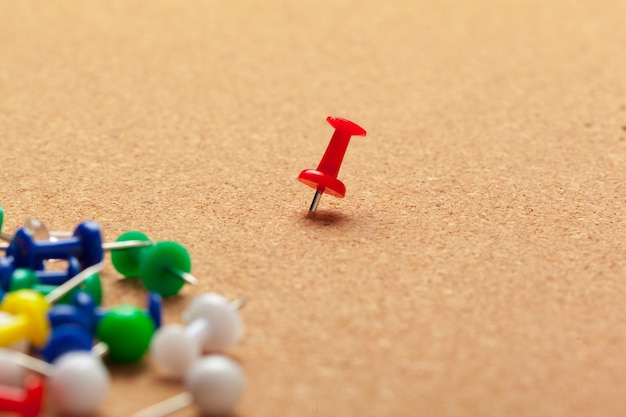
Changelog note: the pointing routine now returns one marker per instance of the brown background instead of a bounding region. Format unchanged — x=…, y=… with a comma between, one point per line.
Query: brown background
x=476, y=266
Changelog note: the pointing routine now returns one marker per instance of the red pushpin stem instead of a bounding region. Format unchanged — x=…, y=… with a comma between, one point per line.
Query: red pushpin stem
x=324, y=178
x=27, y=401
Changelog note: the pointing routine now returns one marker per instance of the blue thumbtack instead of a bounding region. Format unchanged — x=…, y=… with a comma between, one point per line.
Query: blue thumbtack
x=85, y=245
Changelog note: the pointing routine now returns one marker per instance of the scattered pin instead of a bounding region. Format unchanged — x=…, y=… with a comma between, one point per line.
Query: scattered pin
x=76, y=280
x=47, y=280
x=164, y=267
x=39, y=232
x=125, y=330
x=128, y=244
x=30, y=308
x=78, y=380
x=211, y=324
x=324, y=178
x=85, y=245
x=214, y=383
x=74, y=327
x=26, y=401
x=128, y=330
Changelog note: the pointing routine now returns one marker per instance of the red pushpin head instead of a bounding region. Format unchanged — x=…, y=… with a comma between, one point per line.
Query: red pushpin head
x=345, y=125
x=25, y=402
x=324, y=178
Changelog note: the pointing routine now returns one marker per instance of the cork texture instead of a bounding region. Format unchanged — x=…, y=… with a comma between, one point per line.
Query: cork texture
x=476, y=266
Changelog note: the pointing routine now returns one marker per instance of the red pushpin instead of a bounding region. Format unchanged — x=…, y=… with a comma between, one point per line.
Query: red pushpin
x=25, y=402
x=324, y=178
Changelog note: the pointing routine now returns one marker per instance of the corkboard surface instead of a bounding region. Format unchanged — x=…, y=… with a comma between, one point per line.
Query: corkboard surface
x=476, y=266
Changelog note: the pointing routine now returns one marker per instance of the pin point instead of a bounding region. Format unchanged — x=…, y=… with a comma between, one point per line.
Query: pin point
x=26, y=401
x=212, y=323
x=78, y=381
x=324, y=178
x=164, y=267
x=214, y=383
x=29, y=309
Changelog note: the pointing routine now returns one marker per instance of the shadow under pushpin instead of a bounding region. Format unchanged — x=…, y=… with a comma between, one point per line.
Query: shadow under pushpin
x=327, y=217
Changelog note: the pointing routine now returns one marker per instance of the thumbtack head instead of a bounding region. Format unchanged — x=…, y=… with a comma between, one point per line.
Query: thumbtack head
x=211, y=323
x=66, y=338
x=127, y=261
x=226, y=323
x=34, y=396
x=33, y=308
x=164, y=268
x=78, y=382
x=216, y=383
x=323, y=183
x=127, y=331
x=346, y=126
x=26, y=402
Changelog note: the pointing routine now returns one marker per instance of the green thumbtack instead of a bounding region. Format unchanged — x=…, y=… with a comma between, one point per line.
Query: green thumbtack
x=163, y=267
x=127, y=331
x=24, y=278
